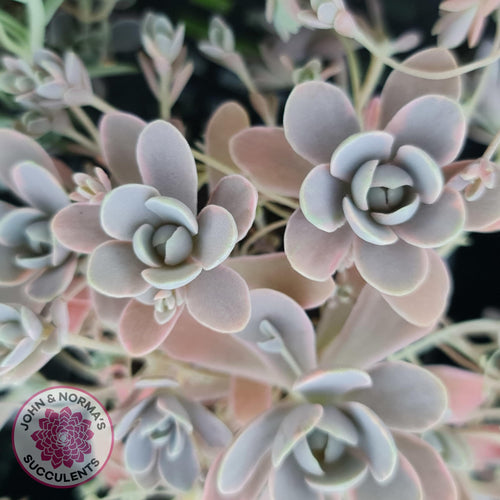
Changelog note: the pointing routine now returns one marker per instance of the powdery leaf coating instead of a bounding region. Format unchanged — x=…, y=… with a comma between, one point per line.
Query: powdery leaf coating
x=405, y=481
x=29, y=252
x=265, y=154
x=412, y=409
x=160, y=445
x=138, y=318
x=465, y=391
x=311, y=443
x=165, y=162
x=216, y=237
x=426, y=461
x=119, y=133
x=49, y=82
x=248, y=399
x=278, y=321
x=219, y=299
x=399, y=88
x=274, y=271
x=114, y=270
x=462, y=20
x=227, y=120
x=479, y=185
x=164, y=246
x=194, y=343
x=396, y=269
x=239, y=197
x=427, y=303
x=383, y=188
x=318, y=117
x=77, y=227
x=319, y=261
x=29, y=340
x=357, y=345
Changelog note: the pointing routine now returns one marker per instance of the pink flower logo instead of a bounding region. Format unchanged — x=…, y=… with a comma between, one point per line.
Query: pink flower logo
x=63, y=437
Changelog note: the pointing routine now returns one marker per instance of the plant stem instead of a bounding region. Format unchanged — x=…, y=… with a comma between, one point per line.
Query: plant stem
x=102, y=105
x=373, y=48
x=261, y=233
x=95, y=345
x=473, y=327
x=86, y=122
x=491, y=149
x=372, y=77
x=80, y=139
x=212, y=162
x=276, y=210
x=164, y=98
x=353, y=64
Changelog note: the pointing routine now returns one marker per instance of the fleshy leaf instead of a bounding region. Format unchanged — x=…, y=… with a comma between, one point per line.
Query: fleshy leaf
x=265, y=154
x=241, y=459
x=227, y=120
x=138, y=331
x=78, y=227
x=406, y=397
x=396, y=269
x=400, y=89
x=372, y=332
x=318, y=117
x=239, y=197
x=219, y=299
x=216, y=237
x=166, y=162
x=119, y=135
x=325, y=385
x=114, y=270
x=465, y=390
x=435, y=478
x=274, y=271
x=288, y=319
x=314, y=253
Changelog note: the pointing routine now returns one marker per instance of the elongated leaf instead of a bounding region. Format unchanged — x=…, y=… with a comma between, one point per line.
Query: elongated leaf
x=51, y=7
x=36, y=20
x=112, y=70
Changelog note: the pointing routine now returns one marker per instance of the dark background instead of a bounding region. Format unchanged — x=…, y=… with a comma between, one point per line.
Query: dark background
x=476, y=270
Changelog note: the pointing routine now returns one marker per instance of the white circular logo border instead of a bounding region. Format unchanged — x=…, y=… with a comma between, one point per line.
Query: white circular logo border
x=24, y=439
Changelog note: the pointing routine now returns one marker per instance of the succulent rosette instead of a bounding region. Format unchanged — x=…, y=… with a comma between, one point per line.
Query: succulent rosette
x=381, y=192
x=469, y=445
x=161, y=41
x=148, y=243
x=340, y=429
x=29, y=252
x=29, y=340
x=375, y=198
x=50, y=82
x=461, y=20
x=164, y=435
x=479, y=183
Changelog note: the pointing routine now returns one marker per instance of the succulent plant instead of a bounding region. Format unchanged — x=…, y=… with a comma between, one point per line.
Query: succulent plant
x=28, y=340
x=50, y=82
x=161, y=431
x=29, y=251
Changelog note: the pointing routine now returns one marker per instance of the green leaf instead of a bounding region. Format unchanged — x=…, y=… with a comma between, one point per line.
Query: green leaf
x=221, y=6
x=12, y=25
x=36, y=20
x=104, y=70
x=51, y=7
x=8, y=43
